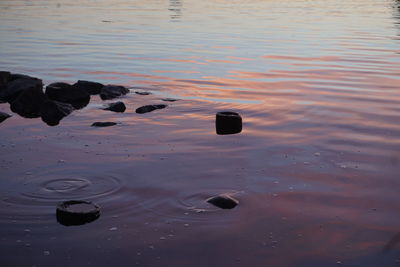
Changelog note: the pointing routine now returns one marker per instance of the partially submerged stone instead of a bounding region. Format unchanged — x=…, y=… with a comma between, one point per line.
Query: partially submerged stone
x=66, y=93
x=149, y=108
x=169, y=99
x=15, y=87
x=113, y=91
x=223, y=201
x=92, y=88
x=77, y=212
x=52, y=112
x=227, y=122
x=4, y=116
x=103, y=124
x=29, y=102
x=116, y=107
x=142, y=93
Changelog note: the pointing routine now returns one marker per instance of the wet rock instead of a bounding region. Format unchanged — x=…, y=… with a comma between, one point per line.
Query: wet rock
x=103, y=124
x=113, y=91
x=223, y=201
x=29, y=102
x=227, y=122
x=116, y=107
x=52, y=112
x=149, y=108
x=92, y=88
x=4, y=116
x=66, y=93
x=4, y=78
x=17, y=76
x=77, y=212
x=142, y=93
x=15, y=87
x=169, y=99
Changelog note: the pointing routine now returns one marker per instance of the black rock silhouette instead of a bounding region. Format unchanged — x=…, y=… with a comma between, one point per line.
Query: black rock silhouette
x=29, y=102
x=227, y=122
x=103, y=124
x=4, y=116
x=149, y=108
x=92, y=88
x=77, y=212
x=113, y=91
x=223, y=201
x=15, y=87
x=52, y=112
x=66, y=93
x=116, y=107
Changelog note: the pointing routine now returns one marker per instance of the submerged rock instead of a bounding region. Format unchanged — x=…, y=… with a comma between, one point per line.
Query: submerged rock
x=29, y=102
x=52, y=112
x=4, y=116
x=149, y=108
x=116, y=107
x=227, y=122
x=103, y=124
x=66, y=93
x=92, y=88
x=113, y=91
x=77, y=212
x=142, y=93
x=169, y=99
x=15, y=87
x=223, y=201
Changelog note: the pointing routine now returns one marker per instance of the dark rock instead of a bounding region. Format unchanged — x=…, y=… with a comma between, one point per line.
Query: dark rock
x=92, y=88
x=142, y=93
x=4, y=116
x=103, y=124
x=17, y=86
x=66, y=93
x=17, y=76
x=228, y=123
x=113, y=91
x=52, y=112
x=29, y=102
x=77, y=212
x=149, y=108
x=169, y=99
x=223, y=201
x=4, y=78
x=116, y=107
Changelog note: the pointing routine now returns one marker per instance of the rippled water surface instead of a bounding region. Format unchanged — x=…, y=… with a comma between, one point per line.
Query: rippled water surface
x=316, y=167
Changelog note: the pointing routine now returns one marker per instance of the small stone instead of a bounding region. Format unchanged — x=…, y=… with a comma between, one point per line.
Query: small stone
x=52, y=112
x=103, y=124
x=223, y=201
x=228, y=122
x=46, y=253
x=169, y=99
x=149, y=108
x=142, y=93
x=116, y=107
x=113, y=229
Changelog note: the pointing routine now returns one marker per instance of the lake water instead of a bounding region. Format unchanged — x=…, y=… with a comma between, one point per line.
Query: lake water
x=316, y=167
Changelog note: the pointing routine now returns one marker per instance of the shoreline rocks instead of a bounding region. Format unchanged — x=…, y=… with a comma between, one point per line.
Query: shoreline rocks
x=149, y=108
x=15, y=87
x=223, y=201
x=92, y=88
x=103, y=124
x=52, y=112
x=66, y=93
x=29, y=102
x=4, y=116
x=113, y=91
x=116, y=107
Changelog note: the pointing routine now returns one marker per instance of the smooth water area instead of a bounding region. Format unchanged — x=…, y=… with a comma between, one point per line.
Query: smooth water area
x=315, y=169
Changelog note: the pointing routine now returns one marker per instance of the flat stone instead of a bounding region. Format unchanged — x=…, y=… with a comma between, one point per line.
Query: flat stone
x=116, y=107
x=169, y=99
x=113, y=91
x=103, y=124
x=223, y=201
x=142, y=93
x=66, y=93
x=4, y=116
x=29, y=102
x=52, y=112
x=149, y=108
x=92, y=88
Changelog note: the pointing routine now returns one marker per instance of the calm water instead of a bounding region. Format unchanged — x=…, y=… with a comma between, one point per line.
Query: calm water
x=316, y=168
